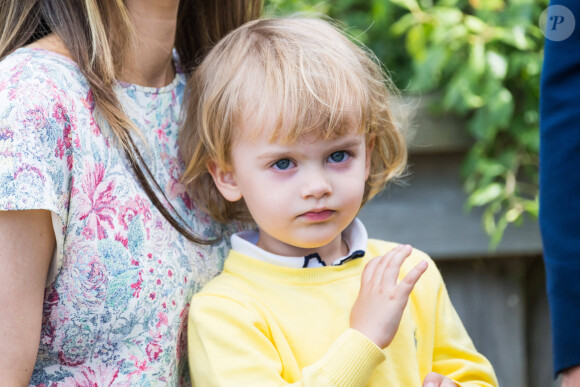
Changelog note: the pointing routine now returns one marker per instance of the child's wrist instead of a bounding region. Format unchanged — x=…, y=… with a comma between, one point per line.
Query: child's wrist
x=374, y=338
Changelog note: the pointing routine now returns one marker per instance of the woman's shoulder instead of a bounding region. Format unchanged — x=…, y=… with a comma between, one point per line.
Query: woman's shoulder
x=39, y=71
x=41, y=89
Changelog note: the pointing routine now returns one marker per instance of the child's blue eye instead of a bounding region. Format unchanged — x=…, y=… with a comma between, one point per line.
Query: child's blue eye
x=282, y=164
x=338, y=157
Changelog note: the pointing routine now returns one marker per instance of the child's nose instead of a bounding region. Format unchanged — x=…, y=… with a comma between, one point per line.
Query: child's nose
x=316, y=185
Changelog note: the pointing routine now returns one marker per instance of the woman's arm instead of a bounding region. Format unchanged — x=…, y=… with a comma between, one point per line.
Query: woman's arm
x=26, y=245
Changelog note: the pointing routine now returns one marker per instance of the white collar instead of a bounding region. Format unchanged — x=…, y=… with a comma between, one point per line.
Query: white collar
x=355, y=236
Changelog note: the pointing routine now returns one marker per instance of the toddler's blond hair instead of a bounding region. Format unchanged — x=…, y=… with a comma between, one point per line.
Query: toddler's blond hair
x=291, y=76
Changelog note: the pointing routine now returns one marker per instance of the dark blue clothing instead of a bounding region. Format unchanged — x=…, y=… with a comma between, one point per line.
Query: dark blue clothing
x=560, y=188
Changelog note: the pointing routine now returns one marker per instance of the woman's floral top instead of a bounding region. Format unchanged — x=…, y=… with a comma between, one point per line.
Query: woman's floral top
x=117, y=295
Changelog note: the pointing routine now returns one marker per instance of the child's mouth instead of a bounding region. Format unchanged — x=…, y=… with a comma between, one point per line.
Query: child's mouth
x=318, y=216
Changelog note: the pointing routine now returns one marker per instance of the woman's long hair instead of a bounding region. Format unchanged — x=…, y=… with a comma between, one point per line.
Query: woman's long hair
x=98, y=33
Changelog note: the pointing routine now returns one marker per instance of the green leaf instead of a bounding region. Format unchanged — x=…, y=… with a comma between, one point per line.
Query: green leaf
x=498, y=64
x=379, y=11
x=472, y=160
x=488, y=218
x=460, y=95
x=490, y=168
x=532, y=206
x=403, y=24
x=477, y=57
x=448, y=3
x=491, y=5
x=485, y=195
x=501, y=106
x=408, y=4
x=475, y=24
x=498, y=232
x=529, y=137
x=447, y=16
x=429, y=70
x=516, y=37
x=416, y=41
x=513, y=214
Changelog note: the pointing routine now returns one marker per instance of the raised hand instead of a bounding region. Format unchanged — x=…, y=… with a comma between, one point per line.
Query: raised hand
x=379, y=306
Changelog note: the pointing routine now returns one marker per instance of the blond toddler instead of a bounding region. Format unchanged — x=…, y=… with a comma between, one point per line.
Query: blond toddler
x=291, y=128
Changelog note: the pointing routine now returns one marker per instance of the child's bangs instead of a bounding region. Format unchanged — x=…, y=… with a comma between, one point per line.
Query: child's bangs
x=297, y=89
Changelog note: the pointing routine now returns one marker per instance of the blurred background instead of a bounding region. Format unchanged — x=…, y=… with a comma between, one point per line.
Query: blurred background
x=471, y=69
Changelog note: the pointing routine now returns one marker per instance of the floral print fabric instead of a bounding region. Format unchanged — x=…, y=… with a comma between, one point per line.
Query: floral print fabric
x=116, y=300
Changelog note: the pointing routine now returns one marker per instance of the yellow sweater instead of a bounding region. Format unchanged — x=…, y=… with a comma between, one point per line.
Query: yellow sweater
x=259, y=324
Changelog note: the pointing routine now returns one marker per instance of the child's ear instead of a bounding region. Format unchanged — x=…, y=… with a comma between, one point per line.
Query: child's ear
x=225, y=181
x=368, y=156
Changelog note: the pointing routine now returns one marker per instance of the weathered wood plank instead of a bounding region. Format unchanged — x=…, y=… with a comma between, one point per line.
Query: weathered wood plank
x=429, y=214
x=489, y=296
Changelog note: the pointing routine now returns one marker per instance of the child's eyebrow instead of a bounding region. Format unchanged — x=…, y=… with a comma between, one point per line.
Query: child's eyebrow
x=274, y=154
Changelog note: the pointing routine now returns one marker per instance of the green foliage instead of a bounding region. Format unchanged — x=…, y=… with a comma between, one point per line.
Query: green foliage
x=484, y=58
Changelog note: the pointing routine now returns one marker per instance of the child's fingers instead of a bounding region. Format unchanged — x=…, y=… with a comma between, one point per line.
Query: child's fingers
x=396, y=260
x=373, y=272
x=405, y=287
x=385, y=264
x=381, y=271
x=390, y=262
x=377, y=279
x=433, y=379
x=369, y=270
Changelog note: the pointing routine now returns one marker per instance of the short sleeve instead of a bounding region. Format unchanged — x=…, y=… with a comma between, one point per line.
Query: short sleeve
x=37, y=139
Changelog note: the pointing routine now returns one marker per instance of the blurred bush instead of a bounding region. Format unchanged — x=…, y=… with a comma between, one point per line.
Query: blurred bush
x=483, y=57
